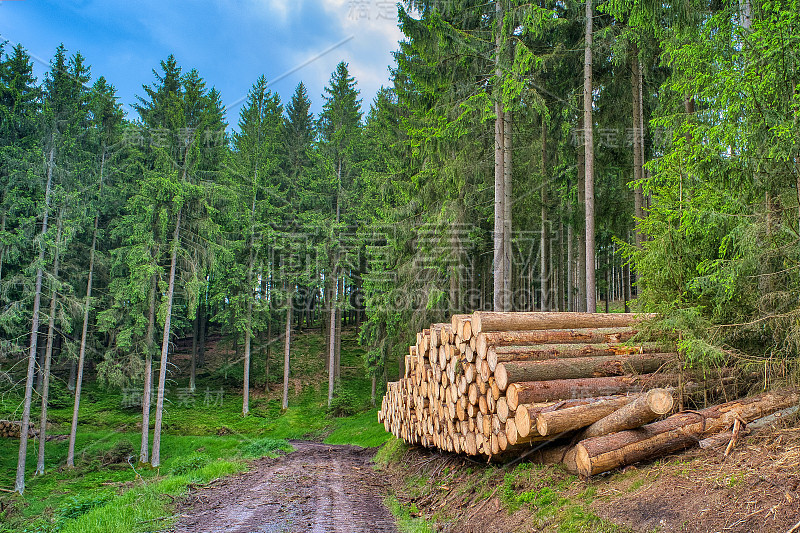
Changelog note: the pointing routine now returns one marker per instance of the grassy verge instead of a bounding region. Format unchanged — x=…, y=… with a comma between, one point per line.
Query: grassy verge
x=445, y=489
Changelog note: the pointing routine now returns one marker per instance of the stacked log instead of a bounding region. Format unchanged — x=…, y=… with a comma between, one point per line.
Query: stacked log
x=479, y=383
x=11, y=429
x=556, y=387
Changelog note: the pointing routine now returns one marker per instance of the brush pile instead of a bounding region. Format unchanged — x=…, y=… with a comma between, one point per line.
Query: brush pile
x=559, y=387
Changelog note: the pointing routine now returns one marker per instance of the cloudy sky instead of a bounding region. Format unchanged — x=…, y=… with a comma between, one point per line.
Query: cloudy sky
x=230, y=42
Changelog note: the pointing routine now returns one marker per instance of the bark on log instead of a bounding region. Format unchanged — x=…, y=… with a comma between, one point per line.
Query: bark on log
x=680, y=431
x=564, y=389
x=554, y=336
x=483, y=321
x=540, y=352
x=564, y=420
x=643, y=410
x=579, y=367
x=526, y=414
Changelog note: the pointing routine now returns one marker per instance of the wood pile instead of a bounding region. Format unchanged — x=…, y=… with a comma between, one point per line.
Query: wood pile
x=10, y=429
x=569, y=386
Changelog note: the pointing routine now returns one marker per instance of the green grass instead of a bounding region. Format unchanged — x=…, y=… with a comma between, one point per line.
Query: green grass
x=406, y=521
x=391, y=452
x=361, y=430
x=204, y=437
x=545, y=490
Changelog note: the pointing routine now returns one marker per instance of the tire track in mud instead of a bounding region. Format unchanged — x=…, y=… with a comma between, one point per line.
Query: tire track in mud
x=317, y=488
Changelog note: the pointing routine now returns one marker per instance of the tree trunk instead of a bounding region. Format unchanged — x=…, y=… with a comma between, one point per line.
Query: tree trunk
x=579, y=367
x=51, y=324
x=499, y=174
x=250, y=296
x=84, y=332
x=581, y=245
x=162, y=372
x=332, y=339
x=286, y=348
x=544, y=247
x=638, y=143
x=338, y=337
x=508, y=252
x=82, y=352
x=149, y=341
x=73, y=369
x=560, y=269
x=571, y=285
x=248, y=330
x=2, y=247
x=487, y=321
x=588, y=128
x=201, y=348
x=193, y=362
x=19, y=485
x=268, y=342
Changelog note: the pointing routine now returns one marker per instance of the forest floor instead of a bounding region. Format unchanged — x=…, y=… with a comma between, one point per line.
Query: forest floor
x=316, y=488
x=756, y=488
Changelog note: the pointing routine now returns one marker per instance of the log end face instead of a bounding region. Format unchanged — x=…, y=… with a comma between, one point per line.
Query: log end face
x=522, y=421
x=481, y=346
x=475, y=323
x=660, y=401
x=512, y=396
x=541, y=425
x=582, y=461
x=501, y=376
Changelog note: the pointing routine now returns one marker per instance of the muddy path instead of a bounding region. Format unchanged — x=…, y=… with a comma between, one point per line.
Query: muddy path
x=317, y=488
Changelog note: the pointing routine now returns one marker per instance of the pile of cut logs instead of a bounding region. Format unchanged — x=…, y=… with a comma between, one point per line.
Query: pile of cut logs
x=10, y=429
x=557, y=387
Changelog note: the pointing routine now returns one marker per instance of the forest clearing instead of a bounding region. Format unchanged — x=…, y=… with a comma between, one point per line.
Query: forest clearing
x=438, y=265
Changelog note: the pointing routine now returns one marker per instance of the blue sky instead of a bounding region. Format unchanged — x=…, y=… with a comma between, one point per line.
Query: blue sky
x=230, y=42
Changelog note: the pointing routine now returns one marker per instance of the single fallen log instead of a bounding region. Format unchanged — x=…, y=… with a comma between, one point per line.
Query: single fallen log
x=641, y=411
x=564, y=389
x=578, y=367
x=680, y=431
x=564, y=420
x=539, y=352
x=483, y=321
x=556, y=336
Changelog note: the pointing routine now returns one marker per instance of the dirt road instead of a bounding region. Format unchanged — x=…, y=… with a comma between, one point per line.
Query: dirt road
x=317, y=488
